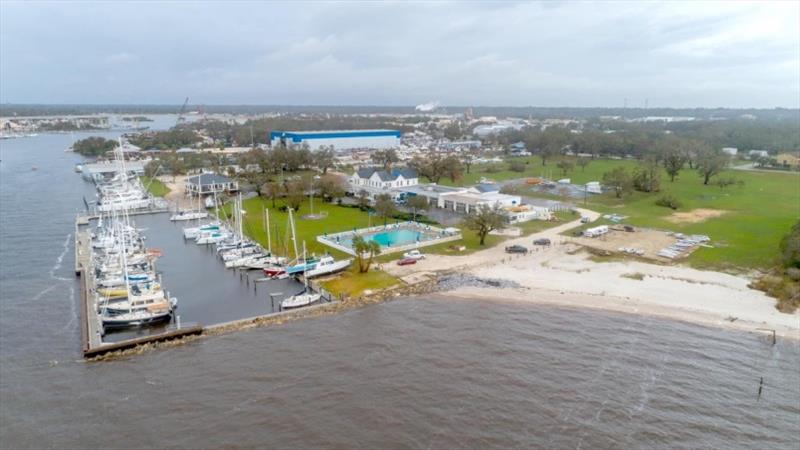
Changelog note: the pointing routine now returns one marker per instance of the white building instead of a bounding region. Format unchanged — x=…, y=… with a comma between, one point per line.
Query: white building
x=339, y=140
x=376, y=181
x=730, y=150
x=753, y=154
x=210, y=183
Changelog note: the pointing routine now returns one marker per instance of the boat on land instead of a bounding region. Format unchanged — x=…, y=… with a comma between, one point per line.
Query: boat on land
x=327, y=265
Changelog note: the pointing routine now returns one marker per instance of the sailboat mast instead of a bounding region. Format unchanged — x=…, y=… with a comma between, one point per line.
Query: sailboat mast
x=269, y=238
x=305, y=266
x=294, y=236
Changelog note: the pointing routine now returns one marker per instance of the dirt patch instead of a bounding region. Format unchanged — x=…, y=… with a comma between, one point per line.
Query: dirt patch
x=645, y=242
x=695, y=215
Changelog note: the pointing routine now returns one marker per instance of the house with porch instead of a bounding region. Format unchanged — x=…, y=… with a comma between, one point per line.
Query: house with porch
x=210, y=183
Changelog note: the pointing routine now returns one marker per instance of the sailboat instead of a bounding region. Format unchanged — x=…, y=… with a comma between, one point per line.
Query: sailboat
x=326, y=266
x=192, y=232
x=145, y=303
x=300, y=265
x=303, y=298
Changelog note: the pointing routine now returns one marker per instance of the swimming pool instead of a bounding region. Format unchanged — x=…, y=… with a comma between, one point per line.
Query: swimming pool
x=392, y=238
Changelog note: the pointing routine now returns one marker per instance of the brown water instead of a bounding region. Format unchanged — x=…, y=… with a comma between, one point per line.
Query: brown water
x=419, y=373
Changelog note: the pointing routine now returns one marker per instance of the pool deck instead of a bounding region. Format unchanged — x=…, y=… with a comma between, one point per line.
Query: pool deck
x=330, y=240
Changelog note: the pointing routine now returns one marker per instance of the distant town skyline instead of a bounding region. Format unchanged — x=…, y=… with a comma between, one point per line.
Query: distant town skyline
x=668, y=54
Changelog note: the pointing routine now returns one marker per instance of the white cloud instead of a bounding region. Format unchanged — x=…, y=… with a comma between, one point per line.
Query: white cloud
x=522, y=53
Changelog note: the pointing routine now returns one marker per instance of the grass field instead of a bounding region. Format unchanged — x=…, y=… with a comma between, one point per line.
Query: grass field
x=353, y=284
x=757, y=215
x=154, y=186
x=338, y=219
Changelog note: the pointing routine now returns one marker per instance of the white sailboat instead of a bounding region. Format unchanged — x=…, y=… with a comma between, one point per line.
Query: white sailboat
x=304, y=298
x=327, y=265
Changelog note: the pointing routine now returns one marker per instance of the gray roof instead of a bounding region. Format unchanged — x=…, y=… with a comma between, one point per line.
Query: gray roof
x=487, y=187
x=208, y=178
x=406, y=172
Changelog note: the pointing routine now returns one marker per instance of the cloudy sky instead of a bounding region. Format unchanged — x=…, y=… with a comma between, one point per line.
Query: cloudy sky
x=679, y=54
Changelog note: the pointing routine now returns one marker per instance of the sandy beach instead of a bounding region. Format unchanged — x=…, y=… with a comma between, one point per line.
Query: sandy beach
x=564, y=275
x=177, y=195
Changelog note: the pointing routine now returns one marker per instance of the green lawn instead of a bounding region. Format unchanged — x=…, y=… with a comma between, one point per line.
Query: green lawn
x=533, y=168
x=354, y=284
x=339, y=219
x=757, y=217
x=154, y=186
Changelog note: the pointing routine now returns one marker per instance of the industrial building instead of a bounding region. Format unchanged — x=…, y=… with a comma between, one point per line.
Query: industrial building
x=339, y=140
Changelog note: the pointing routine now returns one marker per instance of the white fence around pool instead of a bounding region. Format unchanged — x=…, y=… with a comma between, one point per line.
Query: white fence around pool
x=439, y=235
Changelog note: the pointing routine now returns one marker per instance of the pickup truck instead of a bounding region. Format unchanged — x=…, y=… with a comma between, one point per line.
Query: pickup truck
x=516, y=249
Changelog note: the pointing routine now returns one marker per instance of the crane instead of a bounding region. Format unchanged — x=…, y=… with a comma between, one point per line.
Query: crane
x=182, y=119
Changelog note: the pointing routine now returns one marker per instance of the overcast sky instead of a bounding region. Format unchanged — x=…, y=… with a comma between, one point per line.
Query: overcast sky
x=679, y=54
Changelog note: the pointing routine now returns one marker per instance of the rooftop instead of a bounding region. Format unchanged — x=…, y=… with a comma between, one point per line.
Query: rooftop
x=208, y=178
x=297, y=136
x=406, y=172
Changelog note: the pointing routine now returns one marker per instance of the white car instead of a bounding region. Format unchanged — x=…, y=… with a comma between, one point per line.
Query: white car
x=414, y=254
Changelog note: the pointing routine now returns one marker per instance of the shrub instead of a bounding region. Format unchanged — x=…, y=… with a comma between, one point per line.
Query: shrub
x=517, y=166
x=668, y=201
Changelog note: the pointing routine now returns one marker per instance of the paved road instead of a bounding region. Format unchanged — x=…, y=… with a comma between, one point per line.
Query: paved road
x=433, y=263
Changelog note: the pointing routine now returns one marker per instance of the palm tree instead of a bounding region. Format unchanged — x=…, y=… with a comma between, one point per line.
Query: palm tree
x=366, y=251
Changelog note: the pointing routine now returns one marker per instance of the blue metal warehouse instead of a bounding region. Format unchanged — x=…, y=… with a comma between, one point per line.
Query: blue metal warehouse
x=339, y=140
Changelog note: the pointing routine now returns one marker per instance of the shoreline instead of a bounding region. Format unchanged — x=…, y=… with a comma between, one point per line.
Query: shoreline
x=630, y=306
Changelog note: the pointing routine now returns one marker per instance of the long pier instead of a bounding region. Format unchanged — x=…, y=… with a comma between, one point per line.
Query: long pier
x=92, y=332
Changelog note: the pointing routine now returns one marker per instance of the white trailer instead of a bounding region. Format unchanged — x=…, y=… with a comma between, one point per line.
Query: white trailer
x=596, y=231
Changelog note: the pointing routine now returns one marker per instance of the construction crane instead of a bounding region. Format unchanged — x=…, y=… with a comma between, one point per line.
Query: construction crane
x=181, y=113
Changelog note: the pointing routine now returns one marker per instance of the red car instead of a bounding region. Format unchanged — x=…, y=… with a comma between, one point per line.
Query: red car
x=406, y=261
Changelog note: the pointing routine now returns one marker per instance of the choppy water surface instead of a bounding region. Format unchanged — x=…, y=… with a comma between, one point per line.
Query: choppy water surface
x=420, y=373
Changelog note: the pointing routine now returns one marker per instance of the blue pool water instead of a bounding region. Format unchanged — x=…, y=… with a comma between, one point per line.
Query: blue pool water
x=390, y=238
x=395, y=238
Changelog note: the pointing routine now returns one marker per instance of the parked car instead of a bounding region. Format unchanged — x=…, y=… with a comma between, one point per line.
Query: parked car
x=406, y=261
x=516, y=249
x=541, y=241
x=585, y=219
x=414, y=254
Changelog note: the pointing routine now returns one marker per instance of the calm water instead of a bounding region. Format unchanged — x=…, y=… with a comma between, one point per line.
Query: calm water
x=420, y=373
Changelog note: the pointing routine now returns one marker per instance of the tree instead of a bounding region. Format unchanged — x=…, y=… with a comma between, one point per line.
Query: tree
x=363, y=199
x=790, y=247
x=453, y=131
x=485, y=219
x=436, y=166
x=295, y=195
x=467, y=159
x=256, y=179
x=583, y=162
x=384, y=206
x=324, y=159
x=552, y=141
x=619, y=180
x=516, y=166
x=647, y=176
x=724, y=182
x=565, y=165
x=273, y=190
x=417, y=203
x=674, y=159
x=385, y=158
x=94, y=146
x=365, y=251
x=331, y=186
x=711, y=162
